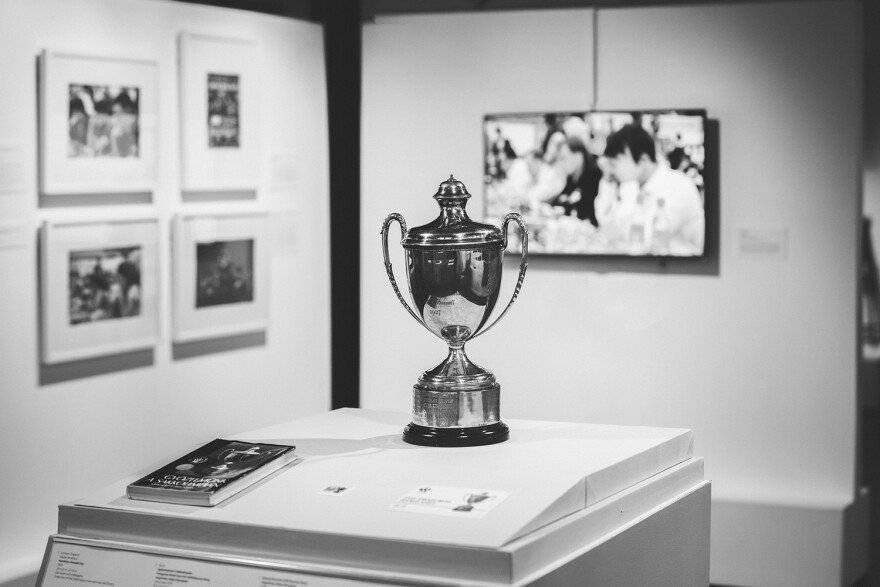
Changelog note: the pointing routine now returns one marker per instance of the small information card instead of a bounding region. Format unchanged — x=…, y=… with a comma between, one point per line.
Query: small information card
x=460, y=502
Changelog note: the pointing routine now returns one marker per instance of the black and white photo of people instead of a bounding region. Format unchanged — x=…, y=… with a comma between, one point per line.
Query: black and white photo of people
x=224, y=272
x=103, y=121
x=104, y=284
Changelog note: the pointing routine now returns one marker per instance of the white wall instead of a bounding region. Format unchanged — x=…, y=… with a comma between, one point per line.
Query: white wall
x=760, y=358
x=66, y=439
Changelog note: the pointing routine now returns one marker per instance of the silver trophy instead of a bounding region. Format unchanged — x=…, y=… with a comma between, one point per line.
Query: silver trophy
x=454, y=273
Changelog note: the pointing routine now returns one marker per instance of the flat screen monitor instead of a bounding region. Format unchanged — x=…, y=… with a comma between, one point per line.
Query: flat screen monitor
x=603, y=182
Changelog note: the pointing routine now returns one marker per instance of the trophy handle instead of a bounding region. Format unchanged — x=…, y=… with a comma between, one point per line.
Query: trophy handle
x=385, y=226
x=523, y=264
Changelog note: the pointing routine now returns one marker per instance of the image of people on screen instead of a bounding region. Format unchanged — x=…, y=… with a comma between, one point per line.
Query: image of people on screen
x=651, y=207
x=573, y=177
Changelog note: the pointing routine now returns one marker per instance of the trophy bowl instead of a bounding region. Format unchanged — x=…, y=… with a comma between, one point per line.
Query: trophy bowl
x=454, y=275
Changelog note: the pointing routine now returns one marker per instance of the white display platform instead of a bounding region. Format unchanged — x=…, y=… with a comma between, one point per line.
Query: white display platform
x=560, y=492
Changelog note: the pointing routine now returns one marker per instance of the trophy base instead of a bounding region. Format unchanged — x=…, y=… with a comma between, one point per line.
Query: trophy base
x=456, y=404
x=451, y=437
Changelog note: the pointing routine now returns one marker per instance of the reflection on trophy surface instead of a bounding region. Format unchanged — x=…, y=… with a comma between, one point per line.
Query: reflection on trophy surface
x=454, y=274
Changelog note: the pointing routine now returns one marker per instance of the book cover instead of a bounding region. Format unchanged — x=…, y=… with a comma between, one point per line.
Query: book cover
x=212, y=473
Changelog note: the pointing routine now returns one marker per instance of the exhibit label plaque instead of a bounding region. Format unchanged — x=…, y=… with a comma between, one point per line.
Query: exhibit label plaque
x=71, y=562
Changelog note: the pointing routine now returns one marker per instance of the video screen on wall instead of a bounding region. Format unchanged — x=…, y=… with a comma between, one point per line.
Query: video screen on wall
x=600, y=182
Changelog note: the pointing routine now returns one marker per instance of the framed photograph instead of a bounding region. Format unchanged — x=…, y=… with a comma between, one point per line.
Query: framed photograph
x=98, y=120
x=99, y=288
x=220, y=275
x=617, y=183
x=220, y=130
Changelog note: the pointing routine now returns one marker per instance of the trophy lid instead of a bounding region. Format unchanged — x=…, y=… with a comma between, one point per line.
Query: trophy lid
x=453, y=229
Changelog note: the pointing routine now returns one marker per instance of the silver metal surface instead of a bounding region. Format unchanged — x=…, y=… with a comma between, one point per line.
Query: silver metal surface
x=456, y=409
x=454, y=268
x=452, y=229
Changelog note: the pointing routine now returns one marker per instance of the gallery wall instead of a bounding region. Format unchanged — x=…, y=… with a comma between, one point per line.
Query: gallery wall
x=756, y=351
x=70, y=429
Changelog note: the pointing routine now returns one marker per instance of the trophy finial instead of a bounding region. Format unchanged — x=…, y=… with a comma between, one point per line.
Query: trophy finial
x=452, y=189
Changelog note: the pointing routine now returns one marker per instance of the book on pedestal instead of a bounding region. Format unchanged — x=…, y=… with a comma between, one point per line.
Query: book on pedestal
x=212, y=473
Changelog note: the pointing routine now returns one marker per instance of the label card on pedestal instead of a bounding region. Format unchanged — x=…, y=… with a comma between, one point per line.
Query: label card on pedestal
x=335, y=490
x=459, y=502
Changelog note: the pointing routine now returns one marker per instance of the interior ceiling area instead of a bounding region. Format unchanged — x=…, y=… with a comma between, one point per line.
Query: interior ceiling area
x=316, y=10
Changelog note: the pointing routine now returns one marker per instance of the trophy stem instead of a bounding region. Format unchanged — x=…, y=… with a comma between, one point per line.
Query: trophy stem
x=457, y=364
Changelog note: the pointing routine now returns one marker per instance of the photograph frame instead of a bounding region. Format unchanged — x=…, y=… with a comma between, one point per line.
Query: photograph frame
x=81, y=319
x=125, y=159
x=194, y=319
x=567, y=227
x=209, y=65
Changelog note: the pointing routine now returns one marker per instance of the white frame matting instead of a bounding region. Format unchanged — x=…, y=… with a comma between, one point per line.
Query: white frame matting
x=63, y=340
x=205, y=168
x=62, y=174
x=193, y=323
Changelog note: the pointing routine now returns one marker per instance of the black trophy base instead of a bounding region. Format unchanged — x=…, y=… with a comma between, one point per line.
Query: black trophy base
x=471, y=436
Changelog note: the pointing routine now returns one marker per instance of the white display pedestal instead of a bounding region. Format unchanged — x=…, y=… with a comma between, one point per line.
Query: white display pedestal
x=568, y=504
